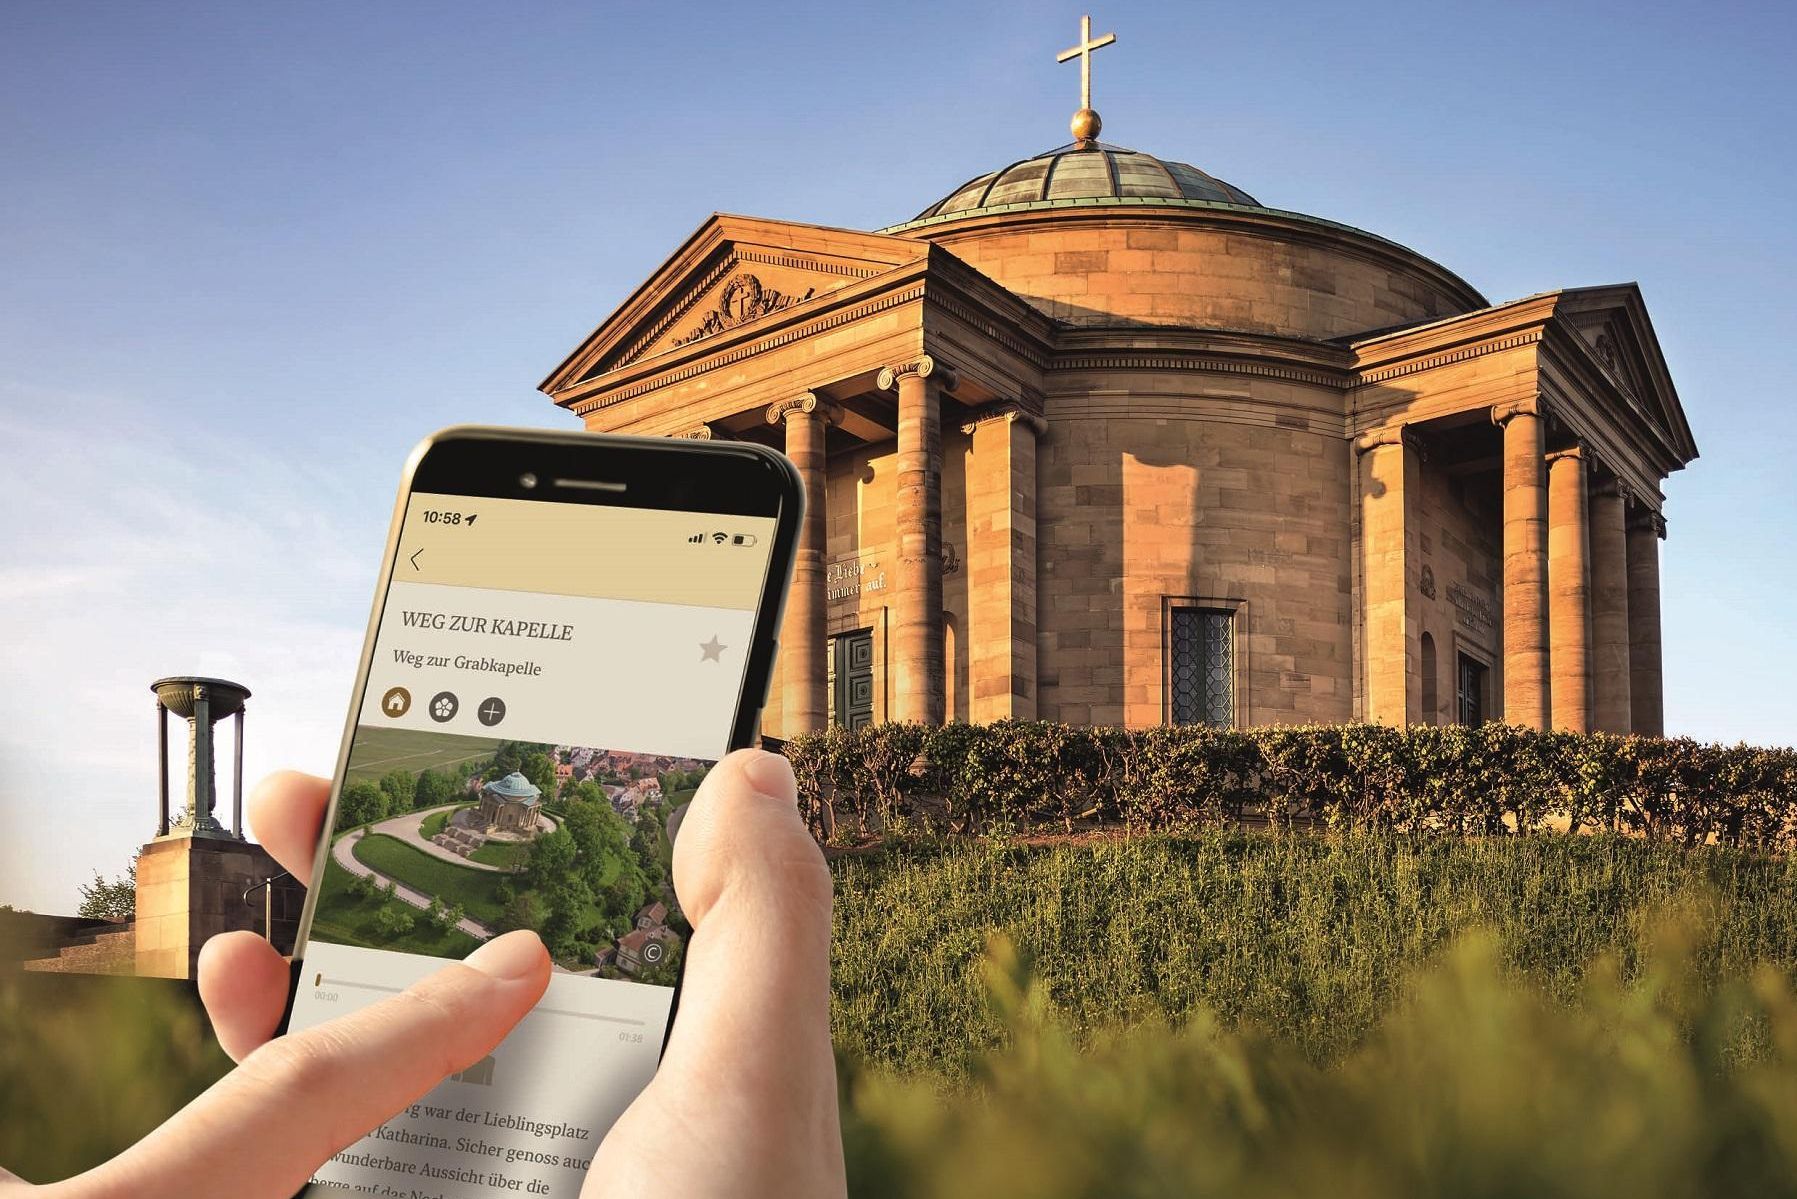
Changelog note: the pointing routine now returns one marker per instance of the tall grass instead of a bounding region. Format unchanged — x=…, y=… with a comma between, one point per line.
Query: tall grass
x=1305, y=937
x=1472, y=1086
x=90, y=1065
x=1229, y=1013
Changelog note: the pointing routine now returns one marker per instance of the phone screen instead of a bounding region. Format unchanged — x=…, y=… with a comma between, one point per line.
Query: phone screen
x=549, y=682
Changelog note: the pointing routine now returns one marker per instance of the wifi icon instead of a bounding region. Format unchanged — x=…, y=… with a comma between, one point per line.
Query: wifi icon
x=720, y=538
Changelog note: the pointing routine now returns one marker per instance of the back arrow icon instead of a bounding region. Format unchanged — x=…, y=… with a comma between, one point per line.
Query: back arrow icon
x=414, y=560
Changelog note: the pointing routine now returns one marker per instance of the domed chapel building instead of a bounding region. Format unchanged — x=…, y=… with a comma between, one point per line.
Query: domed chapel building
x=1098, y=437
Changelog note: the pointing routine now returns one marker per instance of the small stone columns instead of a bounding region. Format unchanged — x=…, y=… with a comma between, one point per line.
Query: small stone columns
x=804, y=705
x=1569, y=591
x=1611, y=710
x=1526, y=683
x=917, y=638
x=1389, y=462
x=1646, y=694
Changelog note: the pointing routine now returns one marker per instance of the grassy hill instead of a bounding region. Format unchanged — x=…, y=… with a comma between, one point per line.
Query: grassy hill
x=476, y=890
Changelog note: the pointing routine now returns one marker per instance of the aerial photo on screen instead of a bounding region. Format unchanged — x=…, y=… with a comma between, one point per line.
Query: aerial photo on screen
x=442, y=841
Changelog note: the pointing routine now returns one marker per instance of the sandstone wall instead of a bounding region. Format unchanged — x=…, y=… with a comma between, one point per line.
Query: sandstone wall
x=1105, y=270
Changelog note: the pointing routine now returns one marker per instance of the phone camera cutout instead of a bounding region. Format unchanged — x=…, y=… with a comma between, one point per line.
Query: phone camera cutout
x=527, y=480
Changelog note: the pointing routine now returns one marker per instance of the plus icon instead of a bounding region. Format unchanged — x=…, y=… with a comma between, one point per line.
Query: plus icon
x=491, y=711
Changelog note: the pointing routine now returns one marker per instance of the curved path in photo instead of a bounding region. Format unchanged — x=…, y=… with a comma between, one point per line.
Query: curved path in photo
x=343, y=852
x=405, y=828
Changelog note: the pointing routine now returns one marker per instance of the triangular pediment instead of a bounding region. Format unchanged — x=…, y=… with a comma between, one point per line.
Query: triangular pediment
x=1613, y=324
x=1612, y=342
x=733, y=274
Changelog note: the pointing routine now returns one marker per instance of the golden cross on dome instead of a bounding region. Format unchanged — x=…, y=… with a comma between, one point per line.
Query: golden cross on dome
x=1084, y=53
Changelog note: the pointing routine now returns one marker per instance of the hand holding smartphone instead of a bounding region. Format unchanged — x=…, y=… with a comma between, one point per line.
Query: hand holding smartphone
x=570, y=630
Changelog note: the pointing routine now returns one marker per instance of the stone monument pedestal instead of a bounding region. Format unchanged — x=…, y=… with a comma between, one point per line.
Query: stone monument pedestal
x=192, y=888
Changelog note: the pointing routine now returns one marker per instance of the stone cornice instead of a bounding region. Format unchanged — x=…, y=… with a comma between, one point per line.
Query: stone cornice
x=1447, y=357
x=1151, y=361
x=982, y=320
x=725, y=352
x=680, y=307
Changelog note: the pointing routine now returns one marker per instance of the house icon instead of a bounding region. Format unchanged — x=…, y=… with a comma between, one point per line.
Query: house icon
x=397, y=702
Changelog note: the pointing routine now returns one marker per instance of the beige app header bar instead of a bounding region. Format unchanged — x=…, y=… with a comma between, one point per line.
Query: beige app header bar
x=642, y=554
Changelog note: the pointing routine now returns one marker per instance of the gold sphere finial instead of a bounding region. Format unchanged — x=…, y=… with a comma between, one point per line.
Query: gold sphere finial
x=1086, y=125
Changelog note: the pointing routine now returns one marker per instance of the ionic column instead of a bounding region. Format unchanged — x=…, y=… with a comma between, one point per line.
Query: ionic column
x=804, y=705
x=162, y=778
x=1388, y=471
x=1001, y=562
x=1610, y=712
x=1525, y=565
x=1569, y=591
x=1646, y=695
x=237, y=777
x=917, y=650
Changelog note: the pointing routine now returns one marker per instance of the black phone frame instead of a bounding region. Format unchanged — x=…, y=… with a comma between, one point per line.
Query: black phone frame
x=729, y=478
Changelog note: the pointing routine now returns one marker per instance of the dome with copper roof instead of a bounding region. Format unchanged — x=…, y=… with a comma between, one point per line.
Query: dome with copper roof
x=1086, y=173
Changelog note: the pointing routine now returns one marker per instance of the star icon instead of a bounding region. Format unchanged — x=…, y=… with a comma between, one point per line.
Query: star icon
x=713, y=650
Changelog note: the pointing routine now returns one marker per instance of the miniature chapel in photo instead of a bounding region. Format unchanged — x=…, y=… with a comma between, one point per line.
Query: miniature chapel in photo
x=1099, y=437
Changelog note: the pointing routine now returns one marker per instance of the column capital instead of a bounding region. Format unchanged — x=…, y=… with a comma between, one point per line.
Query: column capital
x=1647, y=518
x=1009, y=411
x=1401, y=434
x=1528, y=406
x=923, y=367
x=703, y=433
x=806, y=402
x=1575, y=453
x=1613, y=487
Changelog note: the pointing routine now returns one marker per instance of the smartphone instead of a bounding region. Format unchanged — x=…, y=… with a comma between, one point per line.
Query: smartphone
x=569, y=631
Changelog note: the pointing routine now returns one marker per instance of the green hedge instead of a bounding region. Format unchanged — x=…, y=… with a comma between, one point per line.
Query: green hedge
x=1016, y=776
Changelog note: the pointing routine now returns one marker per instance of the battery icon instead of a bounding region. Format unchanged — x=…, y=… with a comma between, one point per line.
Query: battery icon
x=743, y=539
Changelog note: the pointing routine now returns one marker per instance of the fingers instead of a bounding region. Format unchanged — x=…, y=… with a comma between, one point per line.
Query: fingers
x=749, y=1059
x=243, y=983
x=287, y=815
x=266, y=1127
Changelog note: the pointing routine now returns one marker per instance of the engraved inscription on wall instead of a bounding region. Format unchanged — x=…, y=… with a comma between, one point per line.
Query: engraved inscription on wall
x=848, y=578
x=1472, y=609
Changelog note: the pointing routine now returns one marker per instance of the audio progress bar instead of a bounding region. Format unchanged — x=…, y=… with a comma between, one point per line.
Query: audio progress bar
x=322, y=981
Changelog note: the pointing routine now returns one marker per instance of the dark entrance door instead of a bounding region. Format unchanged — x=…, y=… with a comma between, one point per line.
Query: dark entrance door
x=852, y=665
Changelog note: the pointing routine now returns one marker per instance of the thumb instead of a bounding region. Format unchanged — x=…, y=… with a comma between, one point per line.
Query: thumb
x=749, y=1059
x=266, y=1127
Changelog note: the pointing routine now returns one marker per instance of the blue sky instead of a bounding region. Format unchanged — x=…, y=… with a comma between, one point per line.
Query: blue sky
x=250, y=253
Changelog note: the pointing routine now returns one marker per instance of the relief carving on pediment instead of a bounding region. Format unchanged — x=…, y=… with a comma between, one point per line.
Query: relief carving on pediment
x=743, y=299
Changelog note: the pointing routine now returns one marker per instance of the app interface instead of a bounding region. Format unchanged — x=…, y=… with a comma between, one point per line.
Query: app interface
x=550, y=682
